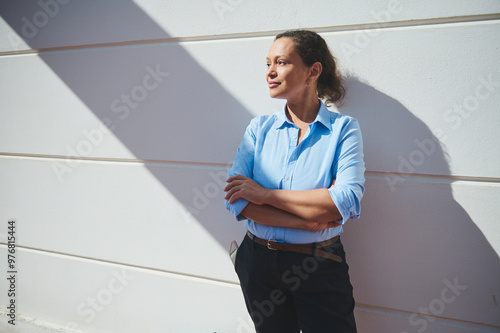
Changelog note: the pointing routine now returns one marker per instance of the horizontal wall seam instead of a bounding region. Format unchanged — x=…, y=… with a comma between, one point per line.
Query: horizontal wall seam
x=445, y=321
x=271, y=33
x=226, y=166
x=142, y=162
x=199, y=278
x=432, y=177
x=36, y=324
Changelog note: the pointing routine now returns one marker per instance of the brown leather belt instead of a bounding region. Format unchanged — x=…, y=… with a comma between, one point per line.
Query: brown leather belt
x=312, y=248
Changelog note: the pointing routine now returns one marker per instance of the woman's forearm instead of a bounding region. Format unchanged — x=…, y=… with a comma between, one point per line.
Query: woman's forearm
x=312, y=205
x=272, y=216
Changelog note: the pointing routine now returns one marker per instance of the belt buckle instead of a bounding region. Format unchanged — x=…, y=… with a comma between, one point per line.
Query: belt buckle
x=269, y=244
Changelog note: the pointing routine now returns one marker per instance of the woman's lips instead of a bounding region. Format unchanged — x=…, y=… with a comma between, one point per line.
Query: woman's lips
x=272, y=84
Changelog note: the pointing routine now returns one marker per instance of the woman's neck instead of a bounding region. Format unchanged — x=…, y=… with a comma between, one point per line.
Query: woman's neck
x=304, y=111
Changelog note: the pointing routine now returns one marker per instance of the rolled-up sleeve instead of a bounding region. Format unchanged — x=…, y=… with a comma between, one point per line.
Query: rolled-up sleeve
x=243, y=165
x=349, y=169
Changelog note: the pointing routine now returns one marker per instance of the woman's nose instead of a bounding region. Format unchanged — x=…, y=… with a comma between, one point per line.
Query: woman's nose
x=271, y=72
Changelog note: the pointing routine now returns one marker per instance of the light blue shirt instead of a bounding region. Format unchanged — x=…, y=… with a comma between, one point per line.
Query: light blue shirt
x=331, y=150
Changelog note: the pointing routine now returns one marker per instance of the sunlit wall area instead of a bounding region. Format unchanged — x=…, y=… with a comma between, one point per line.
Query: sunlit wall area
x=119, y=121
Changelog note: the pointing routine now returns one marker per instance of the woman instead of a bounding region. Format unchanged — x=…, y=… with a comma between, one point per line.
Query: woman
x=298, y=176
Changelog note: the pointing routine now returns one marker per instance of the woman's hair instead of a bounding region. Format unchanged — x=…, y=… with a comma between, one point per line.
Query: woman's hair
x=312, y=48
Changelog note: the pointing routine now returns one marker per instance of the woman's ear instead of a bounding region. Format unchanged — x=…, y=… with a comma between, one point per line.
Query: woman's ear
x=315, y=71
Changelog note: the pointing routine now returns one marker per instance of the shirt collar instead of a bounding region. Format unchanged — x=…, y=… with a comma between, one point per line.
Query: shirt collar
x=323, y=117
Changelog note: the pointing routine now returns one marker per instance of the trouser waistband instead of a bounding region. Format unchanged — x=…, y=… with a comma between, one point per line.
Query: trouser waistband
x=311, y=248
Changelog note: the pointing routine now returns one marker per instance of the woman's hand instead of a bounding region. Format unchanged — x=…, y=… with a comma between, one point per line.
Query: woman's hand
x=317, y=226
x=240, y=186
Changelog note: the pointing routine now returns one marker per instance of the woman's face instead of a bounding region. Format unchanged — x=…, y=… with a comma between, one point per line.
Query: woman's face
x=286, y=74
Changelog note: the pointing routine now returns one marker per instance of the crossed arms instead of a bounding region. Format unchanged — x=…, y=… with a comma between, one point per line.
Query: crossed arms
x=312, y=210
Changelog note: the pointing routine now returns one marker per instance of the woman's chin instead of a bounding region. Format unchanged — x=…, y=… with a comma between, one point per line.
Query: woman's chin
x=275, y=95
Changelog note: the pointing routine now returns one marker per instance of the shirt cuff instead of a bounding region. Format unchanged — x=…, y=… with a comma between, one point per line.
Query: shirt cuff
x=236, y=207
x=346, y=205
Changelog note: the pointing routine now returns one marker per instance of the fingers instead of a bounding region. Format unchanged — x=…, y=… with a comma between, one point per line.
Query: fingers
x=234, y=187
x=240, y=186
x=234, y=181
x=235, y=177
x=232, y=195
x=232, y=184
x=319, y=226
x=334, y=224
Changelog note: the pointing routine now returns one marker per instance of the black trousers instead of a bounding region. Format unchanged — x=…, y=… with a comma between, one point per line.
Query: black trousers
x=286, y=292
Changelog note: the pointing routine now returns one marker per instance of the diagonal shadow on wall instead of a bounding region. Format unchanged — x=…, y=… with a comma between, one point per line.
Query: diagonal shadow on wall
x=186, y=118
x=416, y=234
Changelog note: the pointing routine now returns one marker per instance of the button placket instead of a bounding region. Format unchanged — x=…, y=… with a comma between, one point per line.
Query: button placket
x=292, y=147
x=293, y=153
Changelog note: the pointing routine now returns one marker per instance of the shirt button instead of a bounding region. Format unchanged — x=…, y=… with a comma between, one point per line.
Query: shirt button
x=287, y=178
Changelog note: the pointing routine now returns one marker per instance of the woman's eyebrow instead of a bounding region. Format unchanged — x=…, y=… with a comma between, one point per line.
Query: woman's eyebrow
x=278, y=56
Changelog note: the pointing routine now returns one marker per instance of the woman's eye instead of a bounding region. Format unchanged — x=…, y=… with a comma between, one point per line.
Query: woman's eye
x=281, y=62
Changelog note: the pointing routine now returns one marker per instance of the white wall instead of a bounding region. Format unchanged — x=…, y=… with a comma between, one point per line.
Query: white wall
x=130, y=234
